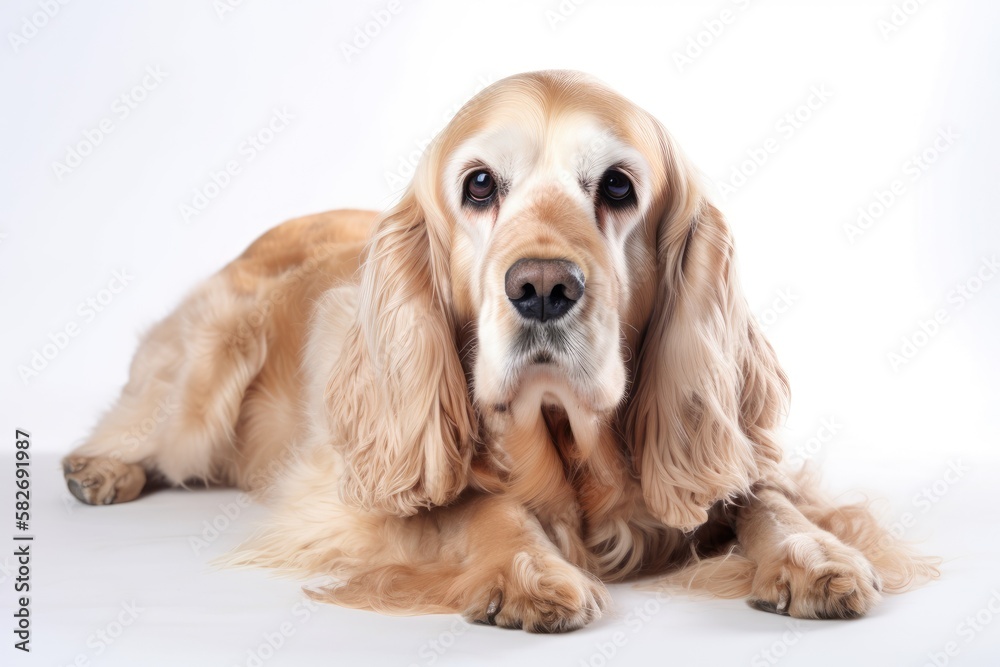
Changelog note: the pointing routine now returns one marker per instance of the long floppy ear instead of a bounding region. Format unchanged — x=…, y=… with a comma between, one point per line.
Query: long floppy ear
x=708, y=389
x=398, y=399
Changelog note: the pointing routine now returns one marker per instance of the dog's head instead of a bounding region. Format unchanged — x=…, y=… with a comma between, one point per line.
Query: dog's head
x=554, y=247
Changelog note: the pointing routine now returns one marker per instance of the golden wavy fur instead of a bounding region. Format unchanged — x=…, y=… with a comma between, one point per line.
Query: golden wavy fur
x=535, y=374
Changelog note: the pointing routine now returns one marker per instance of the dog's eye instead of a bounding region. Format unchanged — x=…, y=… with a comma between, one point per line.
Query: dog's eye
x=616, y=189
x=480, y=187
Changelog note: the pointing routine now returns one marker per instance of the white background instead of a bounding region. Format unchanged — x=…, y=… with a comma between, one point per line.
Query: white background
x=892, y=429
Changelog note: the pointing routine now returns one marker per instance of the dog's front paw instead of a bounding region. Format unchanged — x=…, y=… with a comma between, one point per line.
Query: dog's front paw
x=540, y=593
x=817, y=576
x=103, y=480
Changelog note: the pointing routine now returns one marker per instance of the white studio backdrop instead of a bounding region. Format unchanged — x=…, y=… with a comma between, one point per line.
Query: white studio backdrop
x=838, y=292
x=852, y=146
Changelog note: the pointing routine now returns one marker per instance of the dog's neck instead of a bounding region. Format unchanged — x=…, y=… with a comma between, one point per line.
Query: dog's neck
x=562, y=462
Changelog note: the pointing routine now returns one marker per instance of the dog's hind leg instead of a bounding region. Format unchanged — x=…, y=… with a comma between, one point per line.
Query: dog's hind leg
x=177, y=412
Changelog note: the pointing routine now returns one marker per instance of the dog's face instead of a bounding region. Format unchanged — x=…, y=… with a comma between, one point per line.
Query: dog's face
x=554, y=248
x=544, y=196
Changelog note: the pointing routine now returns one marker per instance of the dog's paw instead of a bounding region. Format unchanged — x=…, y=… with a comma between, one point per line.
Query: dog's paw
x=817, y=576
x=103, y=480
x=540, y=593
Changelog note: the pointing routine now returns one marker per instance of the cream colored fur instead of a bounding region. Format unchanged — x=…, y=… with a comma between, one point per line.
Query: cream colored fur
x=429, y=450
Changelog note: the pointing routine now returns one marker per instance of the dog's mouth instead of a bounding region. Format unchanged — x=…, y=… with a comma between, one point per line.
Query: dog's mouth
x=540, y=344
x=540, y=364
x=557, y=359
x=546, y=381
x=542, y=357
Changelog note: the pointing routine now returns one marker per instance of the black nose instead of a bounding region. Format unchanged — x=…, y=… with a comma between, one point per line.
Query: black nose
x=543, y=289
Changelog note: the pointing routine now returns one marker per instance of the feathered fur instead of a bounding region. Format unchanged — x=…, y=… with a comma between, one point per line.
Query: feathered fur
x=431, y=449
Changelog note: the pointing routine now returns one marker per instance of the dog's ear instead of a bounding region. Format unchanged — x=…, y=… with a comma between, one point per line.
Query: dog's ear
x=708, y=390
x=399, y=396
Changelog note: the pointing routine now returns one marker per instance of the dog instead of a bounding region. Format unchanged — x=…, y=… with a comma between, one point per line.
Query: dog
x=536, y=374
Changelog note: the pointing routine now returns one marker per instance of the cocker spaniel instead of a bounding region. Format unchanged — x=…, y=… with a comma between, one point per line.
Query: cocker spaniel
x=535, y=374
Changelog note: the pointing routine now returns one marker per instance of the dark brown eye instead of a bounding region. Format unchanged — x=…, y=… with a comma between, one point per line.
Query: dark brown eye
x=480, y=187
x=615, y=187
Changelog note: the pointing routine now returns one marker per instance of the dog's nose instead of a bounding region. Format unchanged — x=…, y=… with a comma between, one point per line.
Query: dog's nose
x=543, y=289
